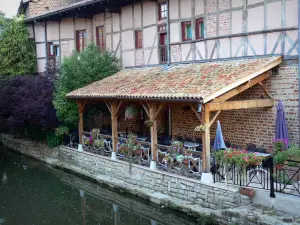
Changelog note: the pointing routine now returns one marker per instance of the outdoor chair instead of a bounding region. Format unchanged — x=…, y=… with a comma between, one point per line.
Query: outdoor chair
x=160, y=158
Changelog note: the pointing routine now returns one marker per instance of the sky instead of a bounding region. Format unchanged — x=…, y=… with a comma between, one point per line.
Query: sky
x=9, y=7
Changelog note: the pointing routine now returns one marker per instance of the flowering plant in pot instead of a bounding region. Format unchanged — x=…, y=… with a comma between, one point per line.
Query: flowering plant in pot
x=200, y=128
x=99, y=143
x=279, y=159
x=131, y=112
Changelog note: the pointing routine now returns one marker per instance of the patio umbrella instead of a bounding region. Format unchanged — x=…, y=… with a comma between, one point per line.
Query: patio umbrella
x=219, y=141
x=281, y=125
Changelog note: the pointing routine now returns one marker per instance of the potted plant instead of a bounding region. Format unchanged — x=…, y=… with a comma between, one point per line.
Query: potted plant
x=131, y=112
x=279, y=159
x=99, y=143
x=200, y=128
x=247, y=191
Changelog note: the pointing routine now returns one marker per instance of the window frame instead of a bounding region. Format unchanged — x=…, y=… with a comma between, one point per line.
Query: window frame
x=101, y=47
x=160, y=4
x=138, y=43
x=198, y=22
x=50, y=46
x=83, y=44
x=183, y=30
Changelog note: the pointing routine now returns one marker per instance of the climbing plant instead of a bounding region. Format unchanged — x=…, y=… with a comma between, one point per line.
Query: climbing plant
x=17, y=50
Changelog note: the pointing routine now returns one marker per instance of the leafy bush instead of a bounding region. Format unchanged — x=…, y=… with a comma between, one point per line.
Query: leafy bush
x=207, y=219
x=17, y=50
x=77, y=71
x=26, y=106
x=53, y=140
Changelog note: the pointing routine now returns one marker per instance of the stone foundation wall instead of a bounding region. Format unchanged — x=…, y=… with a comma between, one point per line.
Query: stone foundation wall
x=192, y=190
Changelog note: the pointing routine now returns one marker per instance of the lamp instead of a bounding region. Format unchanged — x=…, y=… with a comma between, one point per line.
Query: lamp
x=200, y=105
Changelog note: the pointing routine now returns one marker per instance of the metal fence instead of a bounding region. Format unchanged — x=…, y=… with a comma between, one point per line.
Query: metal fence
x=264, y=176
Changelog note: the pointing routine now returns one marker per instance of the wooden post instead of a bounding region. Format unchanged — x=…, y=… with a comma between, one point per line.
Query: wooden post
x=114, y=126
x=153, y=131
x=206, y=140
x=81, y=108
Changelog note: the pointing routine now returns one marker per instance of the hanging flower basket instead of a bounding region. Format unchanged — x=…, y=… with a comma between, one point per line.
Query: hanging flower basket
x=200, y=128
x=131, y=112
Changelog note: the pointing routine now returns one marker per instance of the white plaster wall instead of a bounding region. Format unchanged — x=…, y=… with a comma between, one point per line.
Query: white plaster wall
x=175, y=32
x=80, y=23
x=116, y=40
x=185, y=51
x=257, y=41
x=293, y=34
x=201, y=48
x=250, y=2
x=89, y=30
x=256, y=19
x=272, y=39
x=41, y=64
x=137, y=15
x=116, y=22
x=39, y=33
x=292, y=15
x=199, y=7
x=210, y=47
x=108, y=22
x=151, y=56
x=274, y=15
x=108, y=42
x=67, y=28
x=235, y=43
x=224, y=48
x=128, y=40
x=40, y=51
x=150, y=37
x=98, y=20
x=52, y=31
x=128, y=59
x=174, y=9
x=186, y=8
x=237, y=3
x=127, y=20
x=149, y=13
x=237, y=22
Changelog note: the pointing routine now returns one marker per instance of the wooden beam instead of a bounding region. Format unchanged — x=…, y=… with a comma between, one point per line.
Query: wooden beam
x=243, y=80
x=245, y=104
x=146, y=109
x=215, y=117
x=81, y=107
x=114, y=125
x=153, y=131
x=196, y=113
x=161, y=106
x=264, y=89
x=242, y=88
x=108, y=106
x=206, y=141
x=120, y=104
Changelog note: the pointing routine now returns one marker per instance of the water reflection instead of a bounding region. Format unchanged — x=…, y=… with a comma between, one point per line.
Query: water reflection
x=33, y=193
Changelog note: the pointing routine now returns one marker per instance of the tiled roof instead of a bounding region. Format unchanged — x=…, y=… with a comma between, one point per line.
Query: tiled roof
x=195, y=81
x=44, y=7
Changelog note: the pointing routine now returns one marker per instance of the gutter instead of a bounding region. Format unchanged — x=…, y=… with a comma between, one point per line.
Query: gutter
x=299, y=68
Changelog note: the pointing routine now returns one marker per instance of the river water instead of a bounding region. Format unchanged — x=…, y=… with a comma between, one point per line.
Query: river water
x=34, y=193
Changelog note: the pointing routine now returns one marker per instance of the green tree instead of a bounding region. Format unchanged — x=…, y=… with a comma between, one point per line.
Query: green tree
x=17, y=50
x=2, y=21
x=77, y=71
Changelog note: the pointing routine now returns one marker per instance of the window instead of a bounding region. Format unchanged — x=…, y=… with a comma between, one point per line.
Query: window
x=100, y=38
x=186, y=31
x=50, y=49
x=138, y=39
x=163, y=48
x=199, y=28
x=57, y=50
x=80, y=40
x=162, y=10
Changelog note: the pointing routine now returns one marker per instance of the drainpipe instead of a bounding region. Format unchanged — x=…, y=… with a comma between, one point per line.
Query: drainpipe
x=299, y=66
x=168, y=33
x=45, y=36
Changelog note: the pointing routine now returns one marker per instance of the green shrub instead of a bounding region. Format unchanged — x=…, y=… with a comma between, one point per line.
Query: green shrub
x=76, y=72
x=53, y=140
x=207, y=219
x=17, y=50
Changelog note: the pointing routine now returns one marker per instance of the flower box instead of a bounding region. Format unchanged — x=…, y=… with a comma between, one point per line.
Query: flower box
x=247, y=191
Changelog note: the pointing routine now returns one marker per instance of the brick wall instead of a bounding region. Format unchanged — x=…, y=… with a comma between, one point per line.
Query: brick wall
x=255, y=126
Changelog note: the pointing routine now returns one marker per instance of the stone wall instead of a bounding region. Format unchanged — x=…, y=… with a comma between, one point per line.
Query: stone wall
x=192, y=190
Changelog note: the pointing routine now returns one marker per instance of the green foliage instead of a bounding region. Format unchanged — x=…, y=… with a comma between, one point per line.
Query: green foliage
x=281, y=157
x=207, y=219
x=53, y=140
x=293, y=153
x=282, y=178
x=17, y=50
x=76, y=72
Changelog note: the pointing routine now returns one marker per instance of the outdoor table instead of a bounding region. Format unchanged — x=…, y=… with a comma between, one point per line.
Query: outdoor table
x=191, y=145
x=141, y=138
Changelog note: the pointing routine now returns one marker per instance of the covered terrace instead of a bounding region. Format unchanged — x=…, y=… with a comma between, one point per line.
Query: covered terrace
x=207, y=87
